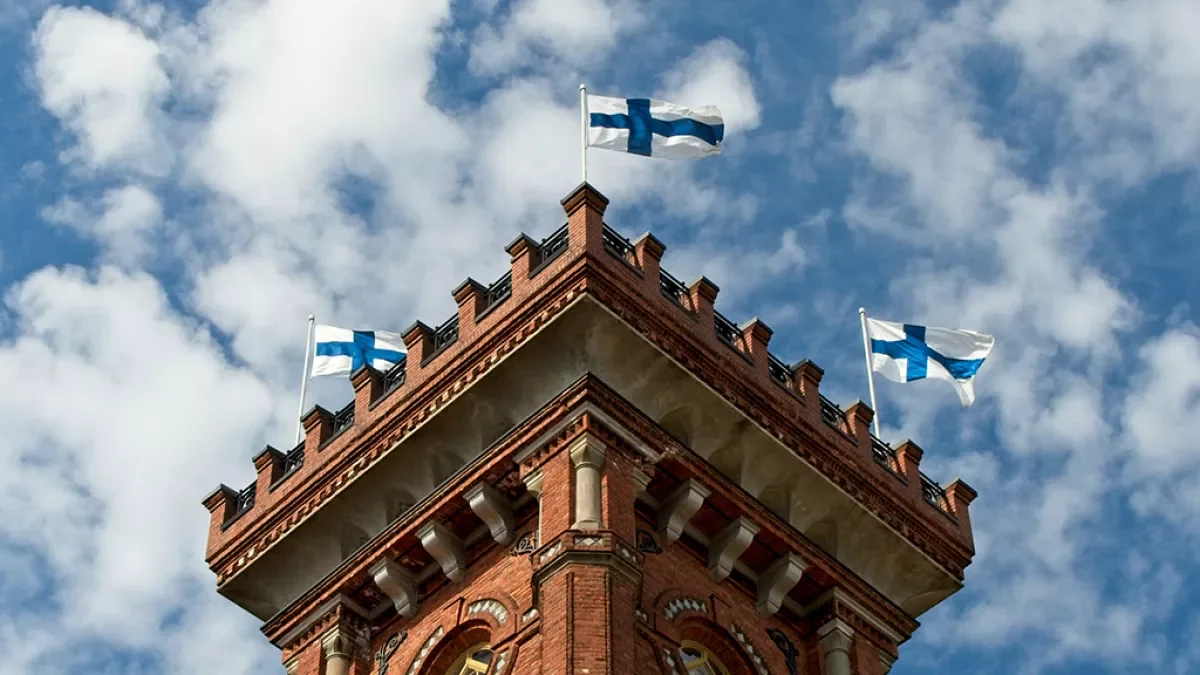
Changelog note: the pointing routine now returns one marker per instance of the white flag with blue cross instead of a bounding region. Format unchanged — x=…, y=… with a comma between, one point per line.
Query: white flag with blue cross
x=340, y=351
x=643, y=126
x=903, y=352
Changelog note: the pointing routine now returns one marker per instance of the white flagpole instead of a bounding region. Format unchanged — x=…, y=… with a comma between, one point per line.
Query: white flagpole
x=308, y=353
x=862, y=314
x=583, y=130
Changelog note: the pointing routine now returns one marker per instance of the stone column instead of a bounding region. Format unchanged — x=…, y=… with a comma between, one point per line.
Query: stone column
x=836, y=639
x=587, y=456
x=533, y=483
x=338, y=649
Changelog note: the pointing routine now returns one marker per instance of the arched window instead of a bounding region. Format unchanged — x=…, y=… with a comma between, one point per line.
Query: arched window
x=474, y=661
x=700, y=661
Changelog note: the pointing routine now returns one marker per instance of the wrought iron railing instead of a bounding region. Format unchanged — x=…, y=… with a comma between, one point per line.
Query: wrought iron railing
x=343, y=419
x=778, y=370
x=242, y=502
x=727, y=331
x=293, y=460
x=445, y=334
x=394, y=378
x=885, y=455
x=552, y=246
x=833, y=415
x=615, y=244
x=498, y=292
x=934, y=494
x=672, y=287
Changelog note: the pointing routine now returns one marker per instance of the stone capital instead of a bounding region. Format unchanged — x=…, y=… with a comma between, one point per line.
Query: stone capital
x=338, y=642
x=533, y=482
x=587, y=452
x=836, y=636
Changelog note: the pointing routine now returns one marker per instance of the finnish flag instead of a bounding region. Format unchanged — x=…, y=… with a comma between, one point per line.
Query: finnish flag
x=341, y=351
x=906, y=353
x=654, y=128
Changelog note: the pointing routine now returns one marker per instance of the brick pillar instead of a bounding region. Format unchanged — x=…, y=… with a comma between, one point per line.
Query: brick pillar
x=586, y=589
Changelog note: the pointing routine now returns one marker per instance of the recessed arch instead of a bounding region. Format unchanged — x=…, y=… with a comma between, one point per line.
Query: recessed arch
x=716, y=641
x=457, y=646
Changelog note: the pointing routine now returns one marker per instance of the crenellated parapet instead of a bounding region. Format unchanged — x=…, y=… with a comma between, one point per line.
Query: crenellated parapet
x=582, y=302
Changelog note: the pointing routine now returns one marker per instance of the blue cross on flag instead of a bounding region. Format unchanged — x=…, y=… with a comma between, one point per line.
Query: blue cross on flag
x=340, y=351
x=654, y=128
x=906, y=353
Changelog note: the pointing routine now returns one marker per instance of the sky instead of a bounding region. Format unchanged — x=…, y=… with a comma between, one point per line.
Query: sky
x=181, y=184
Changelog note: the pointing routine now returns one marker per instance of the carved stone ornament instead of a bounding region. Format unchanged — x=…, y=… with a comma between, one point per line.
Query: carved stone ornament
x=525, y=545
x=385, y=652
x=646, y=543
x=785, y=644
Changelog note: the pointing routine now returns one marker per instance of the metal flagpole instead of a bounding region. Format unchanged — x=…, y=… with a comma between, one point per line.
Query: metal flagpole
x=862, y=314
x=583, y=129
x=308, y=353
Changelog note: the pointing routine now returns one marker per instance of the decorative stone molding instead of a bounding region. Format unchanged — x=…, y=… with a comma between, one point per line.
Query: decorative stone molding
x=424, y=651
x=446, y=548
x=493, y=509
x=790, y=653
x=585, y=540
x=384, y=655
x=669, y=657
x=550, y=552
x=529, y=615
x=728, y=545
x=501, y=661
x=292, y=665
x=646, y=543
x=779, y=579
x=587, y=456
x=678, y=508
x=526, y=544
x=489, y=606
x=747, y=645
x=399, y=585
x=885, y=662
x=679, y=605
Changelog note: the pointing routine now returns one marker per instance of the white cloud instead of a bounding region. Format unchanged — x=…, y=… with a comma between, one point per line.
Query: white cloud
x=1162, y=418
x=109, y=444
x=124, y=221
x=715, y=74
x=1002, y=249
x=573, y=32
x=102, y=78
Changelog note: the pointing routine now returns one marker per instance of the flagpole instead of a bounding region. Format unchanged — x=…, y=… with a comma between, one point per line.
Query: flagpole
x=862, y=314
x=583, y=130
x=304, y=383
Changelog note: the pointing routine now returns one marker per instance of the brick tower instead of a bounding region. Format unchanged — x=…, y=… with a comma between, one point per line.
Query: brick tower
x=588, y=470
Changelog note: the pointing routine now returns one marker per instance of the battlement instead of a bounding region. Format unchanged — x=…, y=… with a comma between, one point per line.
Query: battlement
x=584, y=301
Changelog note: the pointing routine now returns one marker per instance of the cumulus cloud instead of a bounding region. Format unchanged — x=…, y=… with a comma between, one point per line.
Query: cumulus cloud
x=1006, y=250
x=100, y=489
x=283, y=158
x=571, y=31
x=102, y=77
x=124, y=220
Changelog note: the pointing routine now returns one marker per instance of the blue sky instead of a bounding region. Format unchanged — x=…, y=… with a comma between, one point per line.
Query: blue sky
x=182, y=184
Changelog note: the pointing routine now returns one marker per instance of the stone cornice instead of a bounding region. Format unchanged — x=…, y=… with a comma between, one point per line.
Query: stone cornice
x=590, y=394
